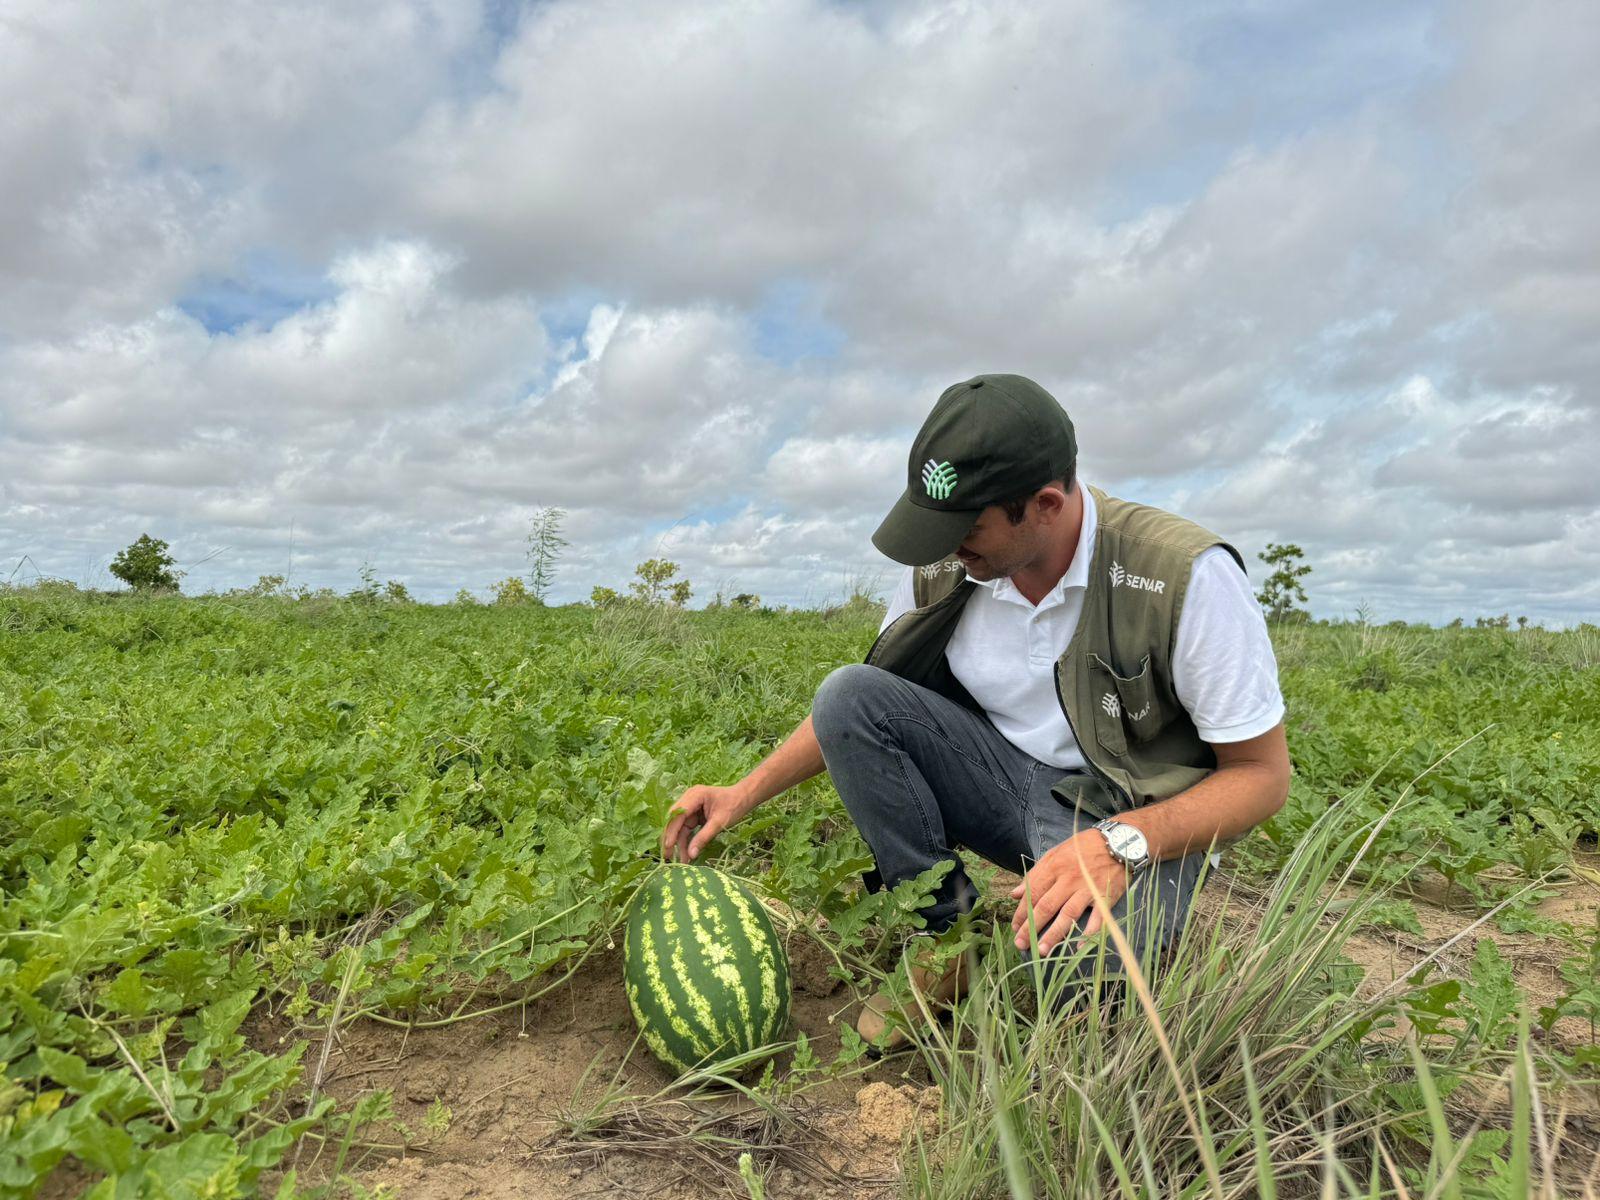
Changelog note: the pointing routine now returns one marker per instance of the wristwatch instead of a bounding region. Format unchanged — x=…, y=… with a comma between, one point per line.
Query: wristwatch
x=1128, y=845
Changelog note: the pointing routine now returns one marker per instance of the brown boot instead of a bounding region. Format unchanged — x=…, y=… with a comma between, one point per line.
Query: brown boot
x=882, y=1025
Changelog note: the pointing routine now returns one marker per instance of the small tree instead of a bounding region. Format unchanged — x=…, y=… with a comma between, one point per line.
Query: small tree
x=545, y=544
x=655, y=584
x=1280, y=594
x=369, y=590
x=604, y=597
x=465, y=598
x=510, y=590
x=746, y=601
x=396, y=591
x=145, y=566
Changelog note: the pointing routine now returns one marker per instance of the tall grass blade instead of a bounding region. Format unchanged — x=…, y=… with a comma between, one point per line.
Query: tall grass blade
x=1266, y=1184
x=1441, y=1182
x=1521, y=1111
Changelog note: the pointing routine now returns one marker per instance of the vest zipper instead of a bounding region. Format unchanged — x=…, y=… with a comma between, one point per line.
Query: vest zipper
x=1111, y=785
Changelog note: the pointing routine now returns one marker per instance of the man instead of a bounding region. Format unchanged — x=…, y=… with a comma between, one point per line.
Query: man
x=1078, y=688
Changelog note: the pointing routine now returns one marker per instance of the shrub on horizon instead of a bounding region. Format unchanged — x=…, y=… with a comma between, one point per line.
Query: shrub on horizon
x=146, y=566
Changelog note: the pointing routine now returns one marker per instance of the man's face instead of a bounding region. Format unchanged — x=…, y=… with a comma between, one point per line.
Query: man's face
x=995, y=548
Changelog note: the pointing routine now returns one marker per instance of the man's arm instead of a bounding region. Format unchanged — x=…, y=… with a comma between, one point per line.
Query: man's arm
x=705, y=811
x=1250, y=783
x=798, y=759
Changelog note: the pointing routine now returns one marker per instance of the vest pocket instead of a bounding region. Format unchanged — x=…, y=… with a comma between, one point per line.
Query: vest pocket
x=1125, y=708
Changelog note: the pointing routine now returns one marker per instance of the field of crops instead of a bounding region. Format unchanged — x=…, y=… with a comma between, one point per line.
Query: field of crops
x=321, y=898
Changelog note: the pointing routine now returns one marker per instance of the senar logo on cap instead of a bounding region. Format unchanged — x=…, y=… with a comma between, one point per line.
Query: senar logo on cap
x=939, y=479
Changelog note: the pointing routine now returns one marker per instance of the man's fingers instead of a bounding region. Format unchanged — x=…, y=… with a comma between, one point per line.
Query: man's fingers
x=1065, y=920
x=1020, y=917
x=1096, y=919
x=675, y=828
x=680, y=850
x=1039, y=885
x=686, y=834
x=1044, y=907
x=1113, y=893
x=670, y=833
x=1030, y=894
x=686, y=814
x=707, y=831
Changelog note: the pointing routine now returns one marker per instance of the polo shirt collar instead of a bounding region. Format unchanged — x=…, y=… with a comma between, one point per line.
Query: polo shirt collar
x=1077, y=574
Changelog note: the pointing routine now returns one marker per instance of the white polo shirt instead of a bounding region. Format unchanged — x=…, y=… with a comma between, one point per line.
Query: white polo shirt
x=1004, y=651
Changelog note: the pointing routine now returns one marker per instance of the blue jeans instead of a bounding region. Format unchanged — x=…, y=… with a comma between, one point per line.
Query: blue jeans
x=921, y=775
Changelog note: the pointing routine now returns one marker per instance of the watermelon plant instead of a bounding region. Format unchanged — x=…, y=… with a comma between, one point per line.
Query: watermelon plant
x=224, y=817
x=705, y=973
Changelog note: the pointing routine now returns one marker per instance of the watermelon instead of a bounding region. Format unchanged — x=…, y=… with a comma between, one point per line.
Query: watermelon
x=705, y=973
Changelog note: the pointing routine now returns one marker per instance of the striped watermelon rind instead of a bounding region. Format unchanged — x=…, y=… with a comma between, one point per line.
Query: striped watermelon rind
x=705, y=973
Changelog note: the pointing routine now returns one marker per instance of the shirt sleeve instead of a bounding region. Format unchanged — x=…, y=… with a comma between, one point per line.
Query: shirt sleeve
x=1223, y=667
x=903, y=600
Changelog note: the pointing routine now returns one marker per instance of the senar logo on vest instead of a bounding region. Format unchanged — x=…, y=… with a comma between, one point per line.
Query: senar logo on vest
x=1112, y=704
x=939, y=479
x=1140, y=583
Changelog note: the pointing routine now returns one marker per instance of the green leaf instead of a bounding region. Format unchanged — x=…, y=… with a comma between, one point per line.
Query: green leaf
x=128, y=994
x=67, y=1069
x=1492, y=996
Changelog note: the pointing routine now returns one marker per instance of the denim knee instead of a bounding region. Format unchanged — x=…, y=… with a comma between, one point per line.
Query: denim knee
x=840, y=698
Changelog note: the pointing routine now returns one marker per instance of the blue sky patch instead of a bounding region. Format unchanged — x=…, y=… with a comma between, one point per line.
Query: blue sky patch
x=790, y=326
x=266, y=288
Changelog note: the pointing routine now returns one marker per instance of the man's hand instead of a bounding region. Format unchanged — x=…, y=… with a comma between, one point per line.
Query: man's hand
x=1058, y=887
x=707, y=809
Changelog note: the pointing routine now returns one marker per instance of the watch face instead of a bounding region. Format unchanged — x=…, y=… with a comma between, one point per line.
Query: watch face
x=1127, y=843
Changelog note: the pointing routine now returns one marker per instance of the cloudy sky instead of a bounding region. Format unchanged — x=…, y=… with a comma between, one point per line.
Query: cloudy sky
x=300, y=286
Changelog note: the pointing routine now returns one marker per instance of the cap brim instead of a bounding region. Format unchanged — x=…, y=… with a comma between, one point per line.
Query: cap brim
x=917, y=536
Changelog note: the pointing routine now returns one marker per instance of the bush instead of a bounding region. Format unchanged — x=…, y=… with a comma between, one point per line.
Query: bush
x=371, y=591
x=656, y=585
x=264, y=586
x=145, y=566
x=511, y=590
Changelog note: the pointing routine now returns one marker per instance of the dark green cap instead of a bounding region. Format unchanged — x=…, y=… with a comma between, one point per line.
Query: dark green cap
x=988, y=439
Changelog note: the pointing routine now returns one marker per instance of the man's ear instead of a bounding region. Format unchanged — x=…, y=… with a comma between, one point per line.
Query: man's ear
x=1051, y=501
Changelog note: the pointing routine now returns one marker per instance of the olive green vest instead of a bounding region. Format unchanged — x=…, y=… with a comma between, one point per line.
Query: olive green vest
x=1115, y=679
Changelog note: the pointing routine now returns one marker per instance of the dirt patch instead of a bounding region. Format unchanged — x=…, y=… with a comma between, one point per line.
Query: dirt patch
x=811, y=966
x=479, y=1102
x=868, y=1140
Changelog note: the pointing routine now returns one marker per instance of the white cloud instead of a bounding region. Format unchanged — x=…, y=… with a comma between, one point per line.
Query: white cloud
x=1368, y=330
x=148, y=142
x=848, y=473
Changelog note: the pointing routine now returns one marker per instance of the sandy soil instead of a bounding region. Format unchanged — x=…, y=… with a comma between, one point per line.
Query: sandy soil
x=483, y=1101
x=495, y=1087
